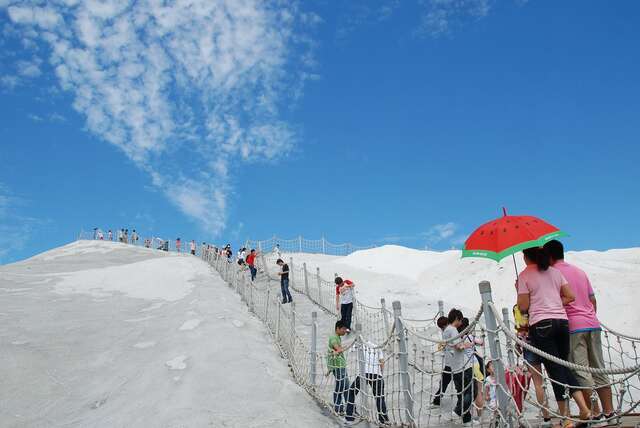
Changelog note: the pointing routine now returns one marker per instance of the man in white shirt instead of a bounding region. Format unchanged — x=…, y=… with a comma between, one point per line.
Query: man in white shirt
x=373, y=367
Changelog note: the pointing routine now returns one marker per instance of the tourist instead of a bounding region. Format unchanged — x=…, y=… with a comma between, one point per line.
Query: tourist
x=533, y=363
x=110, y=235
x=490, y=391
x=344, y=299
x=584, y=331
x=126, y=236
x=461, y=367
x=178, y=245
x=277, y=252
x=284, y=281
x=542, y=292
x=192, y=247
x=251, y=261
x=241, y=256
x=476, y=362
x=442, y=323
x=373, y=367
x=337, y=365
x=134, y=237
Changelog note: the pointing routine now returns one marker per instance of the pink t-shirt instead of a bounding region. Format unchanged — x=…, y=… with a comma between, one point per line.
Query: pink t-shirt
x=543, y=288
x=581, y=313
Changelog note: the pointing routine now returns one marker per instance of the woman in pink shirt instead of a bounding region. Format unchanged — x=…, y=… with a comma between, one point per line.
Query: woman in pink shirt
x=543, y=292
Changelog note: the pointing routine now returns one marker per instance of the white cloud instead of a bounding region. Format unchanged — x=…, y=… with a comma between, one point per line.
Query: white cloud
x=440, y=233
x=35, y=117
x=440, y=15
x=15, y=229
x=9, y=81
x=28, y=68
x=186, y=89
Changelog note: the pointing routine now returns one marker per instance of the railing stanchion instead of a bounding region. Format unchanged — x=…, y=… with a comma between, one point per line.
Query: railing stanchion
x=496, y=354
x=306, y=280
x=440, y=308
x=319, y=281
x=403, y=361
x=510, y=356
x=385, y=315
x=314, y=348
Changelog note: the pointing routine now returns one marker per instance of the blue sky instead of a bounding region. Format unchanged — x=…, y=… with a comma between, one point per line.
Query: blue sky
x=363, y=121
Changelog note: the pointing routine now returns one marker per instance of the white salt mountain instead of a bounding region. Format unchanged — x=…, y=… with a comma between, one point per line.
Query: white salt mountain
x=418, y=279
x=100, y=334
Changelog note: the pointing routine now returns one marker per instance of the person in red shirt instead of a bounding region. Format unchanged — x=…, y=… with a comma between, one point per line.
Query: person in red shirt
x=251, y=261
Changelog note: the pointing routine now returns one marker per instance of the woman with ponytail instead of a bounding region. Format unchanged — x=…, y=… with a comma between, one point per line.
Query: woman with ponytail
x=543, y=292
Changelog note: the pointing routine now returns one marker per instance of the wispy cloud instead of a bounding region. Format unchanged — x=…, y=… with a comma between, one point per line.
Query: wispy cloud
x=15, y=229
x=444, y=236
x=435, y=18
x=185, y=89
x=439, y=16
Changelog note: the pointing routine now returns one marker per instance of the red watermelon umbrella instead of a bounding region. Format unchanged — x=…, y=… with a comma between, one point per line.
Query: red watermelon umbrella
x=507, y=235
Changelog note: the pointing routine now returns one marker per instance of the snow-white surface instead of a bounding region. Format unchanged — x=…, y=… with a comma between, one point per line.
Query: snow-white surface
x=418, y=279
x=99, y=334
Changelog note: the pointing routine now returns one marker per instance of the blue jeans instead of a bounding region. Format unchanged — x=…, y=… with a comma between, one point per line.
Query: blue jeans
x=286, y=295
x=254, y=271
x=377, y=385
x=340, y=391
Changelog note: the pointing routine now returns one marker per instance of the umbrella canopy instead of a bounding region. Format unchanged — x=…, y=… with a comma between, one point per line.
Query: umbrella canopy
x=507, y=235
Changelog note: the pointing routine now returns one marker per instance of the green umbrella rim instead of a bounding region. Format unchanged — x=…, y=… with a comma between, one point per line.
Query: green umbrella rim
x=486, y=254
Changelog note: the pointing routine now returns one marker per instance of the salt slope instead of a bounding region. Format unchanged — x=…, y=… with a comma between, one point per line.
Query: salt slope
x=419, y=278
x=83, y=345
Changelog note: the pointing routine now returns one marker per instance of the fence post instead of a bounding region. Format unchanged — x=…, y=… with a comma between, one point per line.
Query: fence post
x=440, y=308
x=314, y=348
x=510, y=356
x=291, y=272
x=319, y=286
x=278, y=322
x=496, y=353
x=266, y=309
x=385, y=315
x=324, y=249
x=293, y=319
x=306, y=279
x=251, y=306
x=300, y=242
x=360, y=350
x=403, y=360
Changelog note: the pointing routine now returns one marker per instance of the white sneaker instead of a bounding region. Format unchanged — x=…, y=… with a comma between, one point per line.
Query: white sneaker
x=471, y=423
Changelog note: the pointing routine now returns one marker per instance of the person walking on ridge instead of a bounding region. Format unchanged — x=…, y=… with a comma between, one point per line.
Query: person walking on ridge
x=585, y=342
x=192, y=247
x=543, y=292
x=344, y=300
x=284, y=281
x=178, y=245
x=337, y=365
x=251, y=262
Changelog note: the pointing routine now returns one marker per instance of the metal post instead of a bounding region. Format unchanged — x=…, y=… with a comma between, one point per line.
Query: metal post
x=306, y=279
x=293, y=319
x=361, y=362
x=314, y=347
x=510, y=357
x=403, y=360
x=291, y=272
x=278, y=322
x=266, y=309
x=319, y=286
x=496, y=353
x=324, y=250
x=251, y=307
x=300, y=241
x=440, y=308
x=385, y=316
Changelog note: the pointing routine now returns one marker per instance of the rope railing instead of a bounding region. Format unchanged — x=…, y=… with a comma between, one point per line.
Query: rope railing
x=303, y=245
x=396, y=369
